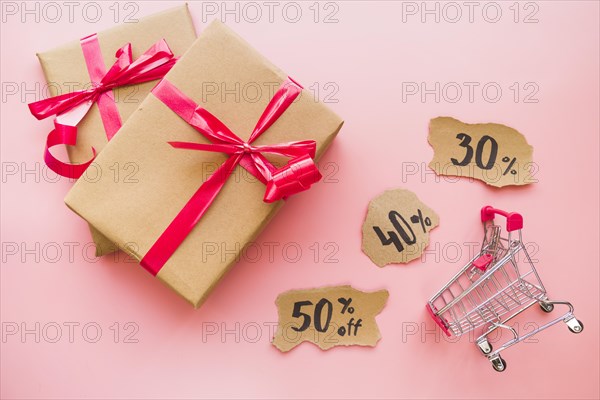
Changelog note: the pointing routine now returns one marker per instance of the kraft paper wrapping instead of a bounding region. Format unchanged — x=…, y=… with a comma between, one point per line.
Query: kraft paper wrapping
x=133, y=215
x=65, y=70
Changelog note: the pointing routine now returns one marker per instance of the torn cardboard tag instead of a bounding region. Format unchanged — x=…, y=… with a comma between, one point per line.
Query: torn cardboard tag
x=397, y=226
x=329, y=316
x=494, y=153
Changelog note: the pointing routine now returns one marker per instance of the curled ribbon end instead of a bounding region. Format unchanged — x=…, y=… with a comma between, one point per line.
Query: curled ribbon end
x=67, y=170
x=33, y=109
x=297, y=176
x=64, y=135
x=272, y=193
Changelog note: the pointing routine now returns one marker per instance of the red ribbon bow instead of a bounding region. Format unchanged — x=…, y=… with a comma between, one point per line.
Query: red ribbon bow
x=298, y=175
x=70, y=108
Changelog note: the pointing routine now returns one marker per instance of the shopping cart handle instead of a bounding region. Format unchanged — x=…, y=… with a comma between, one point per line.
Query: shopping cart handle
x=514, y=221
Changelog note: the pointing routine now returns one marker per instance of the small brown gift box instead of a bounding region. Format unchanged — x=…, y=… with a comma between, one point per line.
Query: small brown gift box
x=65, y=70
x=134, y=215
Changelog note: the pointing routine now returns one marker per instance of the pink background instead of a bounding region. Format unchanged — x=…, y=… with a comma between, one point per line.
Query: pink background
x=368, y=53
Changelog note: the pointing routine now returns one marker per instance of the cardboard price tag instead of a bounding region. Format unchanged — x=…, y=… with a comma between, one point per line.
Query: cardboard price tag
x=396, y=228
x=494, y=153
x=329, y=316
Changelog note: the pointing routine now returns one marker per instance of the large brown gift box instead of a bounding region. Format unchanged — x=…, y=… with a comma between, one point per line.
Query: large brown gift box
x=65, y=70
x=134, y=215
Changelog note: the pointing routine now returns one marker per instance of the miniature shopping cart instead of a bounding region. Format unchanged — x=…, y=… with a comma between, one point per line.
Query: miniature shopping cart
x=495, y=286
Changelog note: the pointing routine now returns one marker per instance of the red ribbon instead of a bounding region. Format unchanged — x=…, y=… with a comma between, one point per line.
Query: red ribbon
x=298, y=175
x=70, y=108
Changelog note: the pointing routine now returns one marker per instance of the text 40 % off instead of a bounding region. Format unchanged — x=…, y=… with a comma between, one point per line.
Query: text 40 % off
x=326, y=306
x=403, y=229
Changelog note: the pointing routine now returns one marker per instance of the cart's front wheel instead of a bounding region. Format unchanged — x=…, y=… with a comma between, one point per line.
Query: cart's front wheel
x=575, y=325
x=546, y=307
x=499, y=364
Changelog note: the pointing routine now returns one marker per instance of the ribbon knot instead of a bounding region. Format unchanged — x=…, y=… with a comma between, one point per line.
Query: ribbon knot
x=70, y=108
x=100, y=87
x=246, y=148
x=88, y=95
x=294, y=177
x=298, y=175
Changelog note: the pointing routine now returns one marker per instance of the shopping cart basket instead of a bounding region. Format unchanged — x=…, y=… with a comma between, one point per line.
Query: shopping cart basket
x=493, y=288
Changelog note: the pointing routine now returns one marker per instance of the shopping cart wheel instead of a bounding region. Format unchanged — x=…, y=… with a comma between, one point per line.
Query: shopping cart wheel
x=546, y=307
x=575, y=325
x=498, y=363
x=485, y=346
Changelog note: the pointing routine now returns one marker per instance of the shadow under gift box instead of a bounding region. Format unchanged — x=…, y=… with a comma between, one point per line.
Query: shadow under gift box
x=134, y=215
x=65, y=70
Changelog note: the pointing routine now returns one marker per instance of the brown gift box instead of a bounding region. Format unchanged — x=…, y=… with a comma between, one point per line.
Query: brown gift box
x=65, y=68
x=134, y=215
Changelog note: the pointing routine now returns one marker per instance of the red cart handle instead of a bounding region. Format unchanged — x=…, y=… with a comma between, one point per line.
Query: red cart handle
x=514, y=221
